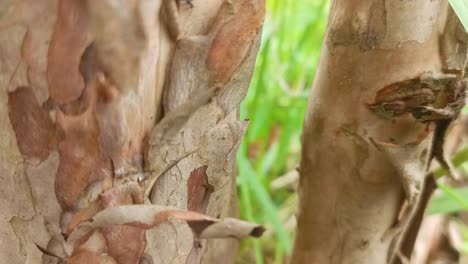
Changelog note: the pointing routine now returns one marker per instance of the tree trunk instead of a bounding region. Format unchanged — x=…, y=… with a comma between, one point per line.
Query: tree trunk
x=121, y=129
x=389, y=83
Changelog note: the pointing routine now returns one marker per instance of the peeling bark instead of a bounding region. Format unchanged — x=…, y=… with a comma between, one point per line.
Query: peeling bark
x=27, y=115
x=380, y=106
x=123, y=109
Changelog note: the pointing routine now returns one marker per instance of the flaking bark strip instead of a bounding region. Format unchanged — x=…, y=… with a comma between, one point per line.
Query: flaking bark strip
x=432, y=99
x=141, y=217
x=151, y=216
x=407, y=239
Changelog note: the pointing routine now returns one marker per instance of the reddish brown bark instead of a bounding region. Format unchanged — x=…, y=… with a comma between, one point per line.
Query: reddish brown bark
x=87, y=139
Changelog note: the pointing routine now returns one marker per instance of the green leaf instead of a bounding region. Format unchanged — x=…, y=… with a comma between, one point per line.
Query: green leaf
x=449, y=201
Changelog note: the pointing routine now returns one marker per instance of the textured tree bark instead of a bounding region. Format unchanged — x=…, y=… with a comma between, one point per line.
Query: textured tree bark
x=388, y=70
x=121, y=129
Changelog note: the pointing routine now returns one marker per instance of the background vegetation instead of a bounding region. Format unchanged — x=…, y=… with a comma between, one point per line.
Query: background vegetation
x=276, y=104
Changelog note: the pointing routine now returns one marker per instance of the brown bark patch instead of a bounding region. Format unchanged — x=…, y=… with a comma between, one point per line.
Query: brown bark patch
x=233, y=41
x=33, y=127
x=91, y=248
x=199, y=190
x=126, y=243
x=68, y=43
x=80, y=157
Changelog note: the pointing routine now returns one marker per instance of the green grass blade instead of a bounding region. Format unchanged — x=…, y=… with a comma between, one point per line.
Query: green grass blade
x=246, y=204
x=248, y=174
x=449, y=201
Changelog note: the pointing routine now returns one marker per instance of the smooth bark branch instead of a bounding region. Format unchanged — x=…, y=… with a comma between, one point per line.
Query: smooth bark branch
x=388, y=86
x=123, y=110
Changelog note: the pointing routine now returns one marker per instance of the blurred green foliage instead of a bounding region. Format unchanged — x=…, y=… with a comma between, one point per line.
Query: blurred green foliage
x=275, y=104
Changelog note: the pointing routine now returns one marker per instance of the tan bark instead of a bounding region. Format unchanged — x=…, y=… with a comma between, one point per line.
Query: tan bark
x=373, y=124
x=121, y=129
